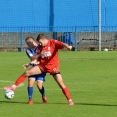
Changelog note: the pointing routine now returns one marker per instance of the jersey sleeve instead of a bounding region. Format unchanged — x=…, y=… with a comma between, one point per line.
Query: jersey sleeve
x=29, y=52
x=58, y=44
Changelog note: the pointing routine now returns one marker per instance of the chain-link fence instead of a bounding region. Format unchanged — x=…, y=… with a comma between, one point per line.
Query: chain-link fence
x=81, y=38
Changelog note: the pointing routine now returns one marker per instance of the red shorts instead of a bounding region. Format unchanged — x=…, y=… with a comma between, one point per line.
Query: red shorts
x=51, y=70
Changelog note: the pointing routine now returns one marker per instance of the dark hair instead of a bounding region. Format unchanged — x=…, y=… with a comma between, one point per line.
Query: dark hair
x=40, y=36
x=29, y=38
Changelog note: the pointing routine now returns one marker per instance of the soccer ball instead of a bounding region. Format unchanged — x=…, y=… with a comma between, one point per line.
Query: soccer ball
x=9, y=94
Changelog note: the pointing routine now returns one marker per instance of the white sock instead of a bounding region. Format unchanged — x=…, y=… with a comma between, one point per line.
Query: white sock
x=14, y=86
x=69, y=100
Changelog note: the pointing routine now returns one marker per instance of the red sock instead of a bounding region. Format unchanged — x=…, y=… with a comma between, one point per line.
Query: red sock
x=66, y=93
x=20, y=80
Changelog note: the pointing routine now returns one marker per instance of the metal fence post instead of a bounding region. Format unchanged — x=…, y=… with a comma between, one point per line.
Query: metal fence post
x=75, y=38
x=99, y=23
x=21, y=40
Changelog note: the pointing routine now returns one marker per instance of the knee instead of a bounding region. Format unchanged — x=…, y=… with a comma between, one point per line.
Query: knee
x=31, y=82
x=39, y=86
x=61, y=85
x=26, y=73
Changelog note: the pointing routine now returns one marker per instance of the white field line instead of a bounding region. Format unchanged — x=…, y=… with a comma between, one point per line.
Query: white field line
x=58, y=90
x=74, y=90
x=4, y=81
x=22, y=84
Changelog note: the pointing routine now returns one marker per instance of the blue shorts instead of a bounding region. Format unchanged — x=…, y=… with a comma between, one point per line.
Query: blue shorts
x=40, y=77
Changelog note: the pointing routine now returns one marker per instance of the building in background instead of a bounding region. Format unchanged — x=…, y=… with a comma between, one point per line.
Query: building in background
x=65, y=20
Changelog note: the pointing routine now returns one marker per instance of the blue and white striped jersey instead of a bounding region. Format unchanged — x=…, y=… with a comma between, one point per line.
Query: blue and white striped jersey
x=31, y=52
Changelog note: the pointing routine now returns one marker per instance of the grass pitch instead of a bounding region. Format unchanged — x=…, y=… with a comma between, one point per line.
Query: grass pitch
x=90, y=76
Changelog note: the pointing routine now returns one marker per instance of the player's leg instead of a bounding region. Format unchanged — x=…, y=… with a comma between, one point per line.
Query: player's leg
x=33, y=71
x=31, y=80
x=40, y=79
x=59, y=80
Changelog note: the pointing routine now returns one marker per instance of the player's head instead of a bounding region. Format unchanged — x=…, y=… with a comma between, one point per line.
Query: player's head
x=30, y=42
x=41, y=39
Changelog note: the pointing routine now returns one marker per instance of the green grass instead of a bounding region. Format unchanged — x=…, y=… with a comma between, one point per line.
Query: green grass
x=90, y=76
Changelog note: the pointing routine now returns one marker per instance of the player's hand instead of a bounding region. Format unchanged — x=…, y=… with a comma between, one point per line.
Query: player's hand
x=35, y=62
x=42, y=54
x=67, y=46
x=26, y=66
x=70, y=48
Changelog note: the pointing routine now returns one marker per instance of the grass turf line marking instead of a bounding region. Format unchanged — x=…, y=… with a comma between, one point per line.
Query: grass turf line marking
x=73, y=90
x=22, y=84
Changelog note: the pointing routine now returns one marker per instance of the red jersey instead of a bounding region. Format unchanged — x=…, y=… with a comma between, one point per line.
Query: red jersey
x=49, y=59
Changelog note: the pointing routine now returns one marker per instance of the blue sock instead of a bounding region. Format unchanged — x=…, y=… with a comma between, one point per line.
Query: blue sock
x=30, y=92
x=42, y=91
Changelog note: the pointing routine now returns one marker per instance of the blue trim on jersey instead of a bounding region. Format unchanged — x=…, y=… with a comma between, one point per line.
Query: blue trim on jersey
x=28, y=53
x=40, y=77
x=32, y=51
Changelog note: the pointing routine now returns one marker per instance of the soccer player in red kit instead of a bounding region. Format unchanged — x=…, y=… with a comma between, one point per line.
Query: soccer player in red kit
x=48, y=58
x=49, y=61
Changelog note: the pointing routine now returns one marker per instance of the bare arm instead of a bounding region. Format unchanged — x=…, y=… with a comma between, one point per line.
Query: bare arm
x=67, y=46
x=35, y=57
x=34, y=62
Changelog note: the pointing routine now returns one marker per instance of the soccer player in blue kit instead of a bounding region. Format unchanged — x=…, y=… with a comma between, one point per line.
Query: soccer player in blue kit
x=31, y=51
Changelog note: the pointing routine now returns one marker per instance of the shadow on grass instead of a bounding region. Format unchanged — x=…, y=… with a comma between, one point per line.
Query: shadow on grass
x=9, y=101
x=89, y=104
x=16, y=102
x=85, y=104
